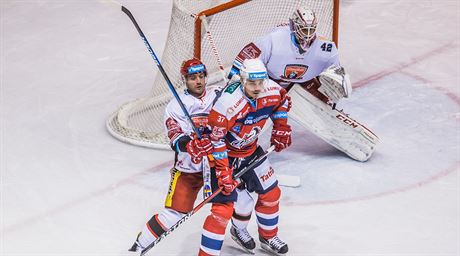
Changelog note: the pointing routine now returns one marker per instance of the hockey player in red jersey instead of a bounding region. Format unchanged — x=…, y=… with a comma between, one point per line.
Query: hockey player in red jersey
x=236, y=120
x=187, y=174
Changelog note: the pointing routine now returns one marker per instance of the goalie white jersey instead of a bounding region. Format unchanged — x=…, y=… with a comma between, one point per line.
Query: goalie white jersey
x=178, y=125
x=287, y=63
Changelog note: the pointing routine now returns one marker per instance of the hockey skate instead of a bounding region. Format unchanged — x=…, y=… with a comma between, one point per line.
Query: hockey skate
x=274, y=245
x=243, y=238
x=136, y=247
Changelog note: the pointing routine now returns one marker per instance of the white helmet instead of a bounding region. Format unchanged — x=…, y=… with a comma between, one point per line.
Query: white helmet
x=303, y=24
x=253, y=69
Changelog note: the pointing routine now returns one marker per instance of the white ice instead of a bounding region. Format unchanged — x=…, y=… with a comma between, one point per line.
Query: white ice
x=69, y=188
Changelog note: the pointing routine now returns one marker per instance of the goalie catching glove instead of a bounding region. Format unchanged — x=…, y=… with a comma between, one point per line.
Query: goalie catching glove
x=199, y=148
x=335, y=83
x=281, y=136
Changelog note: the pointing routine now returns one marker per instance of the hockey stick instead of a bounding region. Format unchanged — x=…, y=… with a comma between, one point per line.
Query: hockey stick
x=160, y=67
x=205, y=163
x=207, y=200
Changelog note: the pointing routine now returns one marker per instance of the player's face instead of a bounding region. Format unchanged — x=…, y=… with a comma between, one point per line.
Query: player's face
x=252, y=88
x=196, y=84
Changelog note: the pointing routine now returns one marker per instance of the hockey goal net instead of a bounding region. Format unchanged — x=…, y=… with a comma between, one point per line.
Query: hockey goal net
x=214, y=31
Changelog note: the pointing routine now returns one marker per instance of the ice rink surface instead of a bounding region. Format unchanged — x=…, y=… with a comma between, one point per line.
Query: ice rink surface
x=69, y=188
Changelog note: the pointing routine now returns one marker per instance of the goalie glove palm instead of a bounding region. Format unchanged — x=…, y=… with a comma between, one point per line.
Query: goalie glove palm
x=281, y=136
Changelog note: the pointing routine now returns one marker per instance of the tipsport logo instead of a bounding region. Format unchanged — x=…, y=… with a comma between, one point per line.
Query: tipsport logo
x=196, y=69
x=257, y=75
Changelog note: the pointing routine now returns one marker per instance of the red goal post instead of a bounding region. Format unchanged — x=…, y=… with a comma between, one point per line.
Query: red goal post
x=214, y=31
x=231, y=4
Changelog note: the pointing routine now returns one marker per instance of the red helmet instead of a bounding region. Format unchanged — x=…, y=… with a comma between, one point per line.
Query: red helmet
x=192, y=66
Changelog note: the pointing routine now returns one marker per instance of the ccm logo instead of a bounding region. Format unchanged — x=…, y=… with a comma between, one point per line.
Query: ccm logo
x=267, y=176
x=347, y=121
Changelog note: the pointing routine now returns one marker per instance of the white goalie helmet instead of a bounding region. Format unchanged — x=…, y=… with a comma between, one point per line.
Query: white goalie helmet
x=303, y=25
x=253, y=69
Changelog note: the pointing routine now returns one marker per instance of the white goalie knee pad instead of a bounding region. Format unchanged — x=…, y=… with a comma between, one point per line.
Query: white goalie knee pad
x=169, y=217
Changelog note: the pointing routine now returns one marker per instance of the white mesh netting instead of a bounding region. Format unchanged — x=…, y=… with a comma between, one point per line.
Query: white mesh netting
x=141, y=122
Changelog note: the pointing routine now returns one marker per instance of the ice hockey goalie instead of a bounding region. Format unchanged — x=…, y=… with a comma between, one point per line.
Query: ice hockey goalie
x=307, y=65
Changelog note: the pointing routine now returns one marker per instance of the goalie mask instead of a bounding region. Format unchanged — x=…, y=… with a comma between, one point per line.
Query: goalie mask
x=253, y=76
x=303, y=25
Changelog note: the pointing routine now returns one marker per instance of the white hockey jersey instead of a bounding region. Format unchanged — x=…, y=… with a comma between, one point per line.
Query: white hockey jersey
x=283, y=59
x=177, y=125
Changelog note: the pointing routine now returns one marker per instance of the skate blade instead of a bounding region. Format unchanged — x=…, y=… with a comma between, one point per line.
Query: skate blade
x=270, y=250
x=242, y=246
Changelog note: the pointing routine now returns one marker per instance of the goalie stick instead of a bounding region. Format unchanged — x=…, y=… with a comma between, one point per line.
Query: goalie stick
x=207, y=200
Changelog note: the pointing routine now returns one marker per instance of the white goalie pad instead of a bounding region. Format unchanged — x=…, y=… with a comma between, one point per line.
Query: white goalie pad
x=331, y=125
x=335, y=83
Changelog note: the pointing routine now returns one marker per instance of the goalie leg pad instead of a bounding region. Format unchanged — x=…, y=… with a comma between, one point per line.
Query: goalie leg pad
x=333, y=126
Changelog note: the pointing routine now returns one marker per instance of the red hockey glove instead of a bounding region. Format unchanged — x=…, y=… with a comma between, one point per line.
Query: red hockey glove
x=281, y=136
x=225, y=179
x=289, y=103
x=198, y=148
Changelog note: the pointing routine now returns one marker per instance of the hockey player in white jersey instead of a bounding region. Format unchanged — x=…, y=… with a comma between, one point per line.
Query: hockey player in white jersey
x=187, y=173
x=295, y=54
x=302, y=61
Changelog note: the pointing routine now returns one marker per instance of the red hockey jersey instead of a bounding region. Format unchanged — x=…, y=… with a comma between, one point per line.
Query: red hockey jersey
x=237, y=121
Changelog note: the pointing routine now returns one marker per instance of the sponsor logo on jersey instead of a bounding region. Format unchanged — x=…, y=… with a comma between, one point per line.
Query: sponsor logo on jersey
x=267, y=176
x=217, y=133
x=243, y=113
x=237, y=128
x=247, y=138
x=280, y=114
x=232, y=87
x=294, y=71
x=219, y=155
x=237, y=104
x=272, y=88
x=200, y=121
x=251, y=120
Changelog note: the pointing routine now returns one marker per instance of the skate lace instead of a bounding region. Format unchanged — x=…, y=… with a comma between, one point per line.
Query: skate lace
x=276, y=242
x=243, y=235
